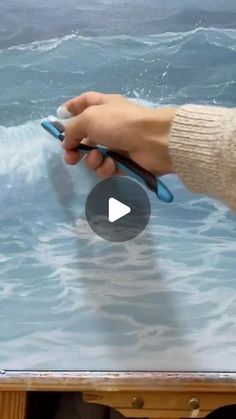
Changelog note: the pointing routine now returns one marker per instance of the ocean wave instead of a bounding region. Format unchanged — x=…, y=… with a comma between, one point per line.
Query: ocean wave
x=25, y=150
x=44, y=46
x=158, y=293
x=170, y=293
x=50, y=44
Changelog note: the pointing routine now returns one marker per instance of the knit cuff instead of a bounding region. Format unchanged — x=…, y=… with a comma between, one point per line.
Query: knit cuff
x=196, y=139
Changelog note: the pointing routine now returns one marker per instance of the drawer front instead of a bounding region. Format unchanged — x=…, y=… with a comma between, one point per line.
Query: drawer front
x=166, y=404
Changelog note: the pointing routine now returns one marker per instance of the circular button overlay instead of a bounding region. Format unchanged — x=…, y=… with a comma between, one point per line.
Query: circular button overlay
x=118, y=209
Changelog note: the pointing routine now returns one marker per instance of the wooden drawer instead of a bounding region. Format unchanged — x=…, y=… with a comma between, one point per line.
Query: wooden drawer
x=161, y=404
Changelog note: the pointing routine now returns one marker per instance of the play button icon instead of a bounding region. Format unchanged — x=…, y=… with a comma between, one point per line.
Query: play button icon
x=118, y=209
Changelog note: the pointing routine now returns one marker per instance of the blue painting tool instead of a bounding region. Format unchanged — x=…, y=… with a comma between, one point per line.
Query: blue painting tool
x=127, y=165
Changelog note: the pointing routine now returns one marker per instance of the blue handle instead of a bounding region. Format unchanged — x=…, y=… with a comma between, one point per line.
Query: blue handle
x=161, y=191
x=128, y=166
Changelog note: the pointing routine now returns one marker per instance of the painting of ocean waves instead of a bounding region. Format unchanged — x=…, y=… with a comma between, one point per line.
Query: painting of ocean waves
x=70, y=300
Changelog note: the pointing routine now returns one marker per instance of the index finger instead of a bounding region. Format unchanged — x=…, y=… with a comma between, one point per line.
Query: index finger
x=78, y=104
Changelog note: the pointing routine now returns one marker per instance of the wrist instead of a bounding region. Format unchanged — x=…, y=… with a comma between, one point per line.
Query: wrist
x=159, y=138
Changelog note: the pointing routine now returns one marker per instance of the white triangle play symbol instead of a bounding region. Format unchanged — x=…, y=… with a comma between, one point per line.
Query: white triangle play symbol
x=117, y=210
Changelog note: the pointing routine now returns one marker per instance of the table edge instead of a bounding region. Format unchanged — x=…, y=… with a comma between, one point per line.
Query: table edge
x=138, y=381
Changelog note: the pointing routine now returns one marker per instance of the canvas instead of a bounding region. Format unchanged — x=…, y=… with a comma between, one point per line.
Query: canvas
x=70, y=300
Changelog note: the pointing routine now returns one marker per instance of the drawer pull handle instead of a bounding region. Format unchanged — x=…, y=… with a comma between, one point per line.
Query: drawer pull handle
x=194, y=405
x=137, y=402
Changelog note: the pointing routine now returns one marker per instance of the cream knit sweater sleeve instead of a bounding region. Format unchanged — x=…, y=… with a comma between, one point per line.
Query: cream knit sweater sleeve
x=203, y=150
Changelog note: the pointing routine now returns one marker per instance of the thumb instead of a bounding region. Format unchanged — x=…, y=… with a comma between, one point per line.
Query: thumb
x=75, y=131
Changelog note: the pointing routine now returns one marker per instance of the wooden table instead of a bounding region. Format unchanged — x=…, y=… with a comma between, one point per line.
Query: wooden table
x=139, y=395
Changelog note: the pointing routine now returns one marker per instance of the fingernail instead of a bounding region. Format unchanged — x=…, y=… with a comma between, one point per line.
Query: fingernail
x=85, y=141
x=63, y=113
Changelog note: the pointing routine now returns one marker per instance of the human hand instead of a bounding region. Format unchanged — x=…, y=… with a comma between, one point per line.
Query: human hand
x=140, y=133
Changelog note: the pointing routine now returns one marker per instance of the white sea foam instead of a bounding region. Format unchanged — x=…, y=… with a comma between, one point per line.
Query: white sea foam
x=25, y=150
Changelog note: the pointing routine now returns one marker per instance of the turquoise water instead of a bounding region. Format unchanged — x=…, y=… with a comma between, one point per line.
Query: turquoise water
x=70, y=300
